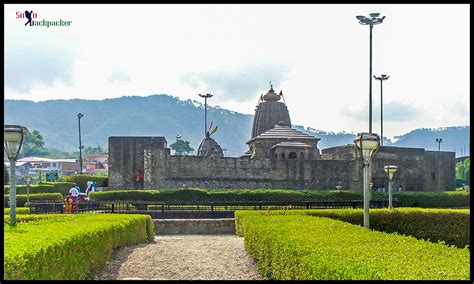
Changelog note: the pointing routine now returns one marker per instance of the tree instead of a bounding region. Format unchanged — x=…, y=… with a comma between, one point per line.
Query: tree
x=463, y=171
x=33, y=145
x=181, y=147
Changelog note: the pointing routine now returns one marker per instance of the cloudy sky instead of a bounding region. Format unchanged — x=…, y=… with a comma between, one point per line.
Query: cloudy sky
x=317, y=54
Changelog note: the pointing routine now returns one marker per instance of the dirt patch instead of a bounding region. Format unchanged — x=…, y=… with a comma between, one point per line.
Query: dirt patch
x=183, y=257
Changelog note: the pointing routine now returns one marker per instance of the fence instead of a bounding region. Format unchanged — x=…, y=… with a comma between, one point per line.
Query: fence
x=211, y=206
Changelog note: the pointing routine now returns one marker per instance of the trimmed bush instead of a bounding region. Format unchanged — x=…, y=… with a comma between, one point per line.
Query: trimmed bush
x=82, y=179
x=449, y=226
x=443, y=199
x=19, y=210
x=223, y=195
x=34, y=217
x=451, y=199
x=21, y=198
x=436, y=225
x=75, y=247
x=299, y=247
x=46, y=187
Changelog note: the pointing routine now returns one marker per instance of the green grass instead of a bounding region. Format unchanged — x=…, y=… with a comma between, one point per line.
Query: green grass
x=299, y=247
x=68, y=247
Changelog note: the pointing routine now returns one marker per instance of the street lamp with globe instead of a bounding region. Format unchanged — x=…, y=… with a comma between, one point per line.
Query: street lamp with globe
x=367, y=144
x=390, y=170
x=13, y=138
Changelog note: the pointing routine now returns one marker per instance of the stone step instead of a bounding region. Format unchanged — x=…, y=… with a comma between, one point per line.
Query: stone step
x=194, y=226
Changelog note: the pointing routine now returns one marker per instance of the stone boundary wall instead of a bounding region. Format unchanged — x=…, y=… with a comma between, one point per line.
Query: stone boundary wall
x=190, y=171
x=194, y=226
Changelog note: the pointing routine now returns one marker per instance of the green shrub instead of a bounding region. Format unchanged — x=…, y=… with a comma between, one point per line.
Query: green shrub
x=451, y=199
x=21, y=198
x=74, y=247
x=19, y=210
x=299, y=247
x=447, y=225
x=443, y=199
x=46, y=187
x=34, y=217
x=82, y=179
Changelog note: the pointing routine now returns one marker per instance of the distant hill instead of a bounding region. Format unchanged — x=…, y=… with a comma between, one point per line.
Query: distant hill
x=163, y=115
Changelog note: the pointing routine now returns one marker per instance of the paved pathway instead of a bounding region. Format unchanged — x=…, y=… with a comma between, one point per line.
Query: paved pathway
x=184, y=257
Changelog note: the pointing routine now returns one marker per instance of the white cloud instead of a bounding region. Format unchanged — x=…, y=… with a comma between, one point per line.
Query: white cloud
x=318, y=55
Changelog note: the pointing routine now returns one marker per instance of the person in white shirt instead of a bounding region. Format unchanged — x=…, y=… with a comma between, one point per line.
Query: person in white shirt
x=73, y=191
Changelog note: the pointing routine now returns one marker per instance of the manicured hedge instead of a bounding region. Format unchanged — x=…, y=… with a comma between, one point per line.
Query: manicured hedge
x=74, y=247
x=34, y=217
x=451, y=199
x=19, y=210
x=223, y=195
x=46, y=187
x=299, y=247
x=81, y=180
x=451, y=226
x=21, y=198
x=443, y=199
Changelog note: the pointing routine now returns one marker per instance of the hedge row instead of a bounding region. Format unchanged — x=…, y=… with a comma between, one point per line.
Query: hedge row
x=22, y=198
x=34, y=217
x=45, y=187
x=450, y=226
x=72, y=248
x=19, y=210
x=82, y=179
x=299, y=247
x=407, y=199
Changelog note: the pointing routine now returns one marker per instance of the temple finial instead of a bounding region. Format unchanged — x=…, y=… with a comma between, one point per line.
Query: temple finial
x=271, y=86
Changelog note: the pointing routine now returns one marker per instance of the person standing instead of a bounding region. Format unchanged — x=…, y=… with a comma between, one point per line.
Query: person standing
x=139, y=179
x=73, y=191
x=94, y=185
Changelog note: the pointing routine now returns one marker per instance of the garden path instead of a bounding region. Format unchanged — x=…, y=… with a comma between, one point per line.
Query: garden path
x=183, y=257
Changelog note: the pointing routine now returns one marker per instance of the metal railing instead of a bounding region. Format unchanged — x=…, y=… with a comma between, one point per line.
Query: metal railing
x=211, y=206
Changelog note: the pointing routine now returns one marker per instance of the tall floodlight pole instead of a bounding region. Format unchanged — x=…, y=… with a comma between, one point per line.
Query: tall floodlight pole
x=439, y=140
x=382, y=78
x=79, y=116
x=206, y=96
x=372, y=20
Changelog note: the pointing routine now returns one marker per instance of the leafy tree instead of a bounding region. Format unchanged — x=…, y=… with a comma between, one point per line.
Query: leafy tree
x=33, y=145
x=181, y=147
x=463, y=171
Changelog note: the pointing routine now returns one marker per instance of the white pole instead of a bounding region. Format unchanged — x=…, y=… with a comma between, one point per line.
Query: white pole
x=366, y=194
x=12, y=193
x=390, y=193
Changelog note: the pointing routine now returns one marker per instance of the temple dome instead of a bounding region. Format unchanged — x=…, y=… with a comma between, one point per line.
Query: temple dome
x=209, y=148
x=271, y=96
x=268, y=113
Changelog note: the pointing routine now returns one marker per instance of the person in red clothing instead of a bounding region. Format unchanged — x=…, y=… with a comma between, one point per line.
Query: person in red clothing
x=139, y=179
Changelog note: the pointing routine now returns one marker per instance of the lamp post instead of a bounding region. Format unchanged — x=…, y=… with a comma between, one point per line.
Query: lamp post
x=79, y=116
x=13, y=138
x=372, y=20
x=366, y=144
x=206, y=96
x=382, y=78
x=390, y=170
x=27, y=180
x=439, y=140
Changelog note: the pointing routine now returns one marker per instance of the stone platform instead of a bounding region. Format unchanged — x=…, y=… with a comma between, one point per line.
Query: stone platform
x=194, y=226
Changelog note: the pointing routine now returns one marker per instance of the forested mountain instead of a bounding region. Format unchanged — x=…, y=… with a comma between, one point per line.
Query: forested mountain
x=163, y=115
